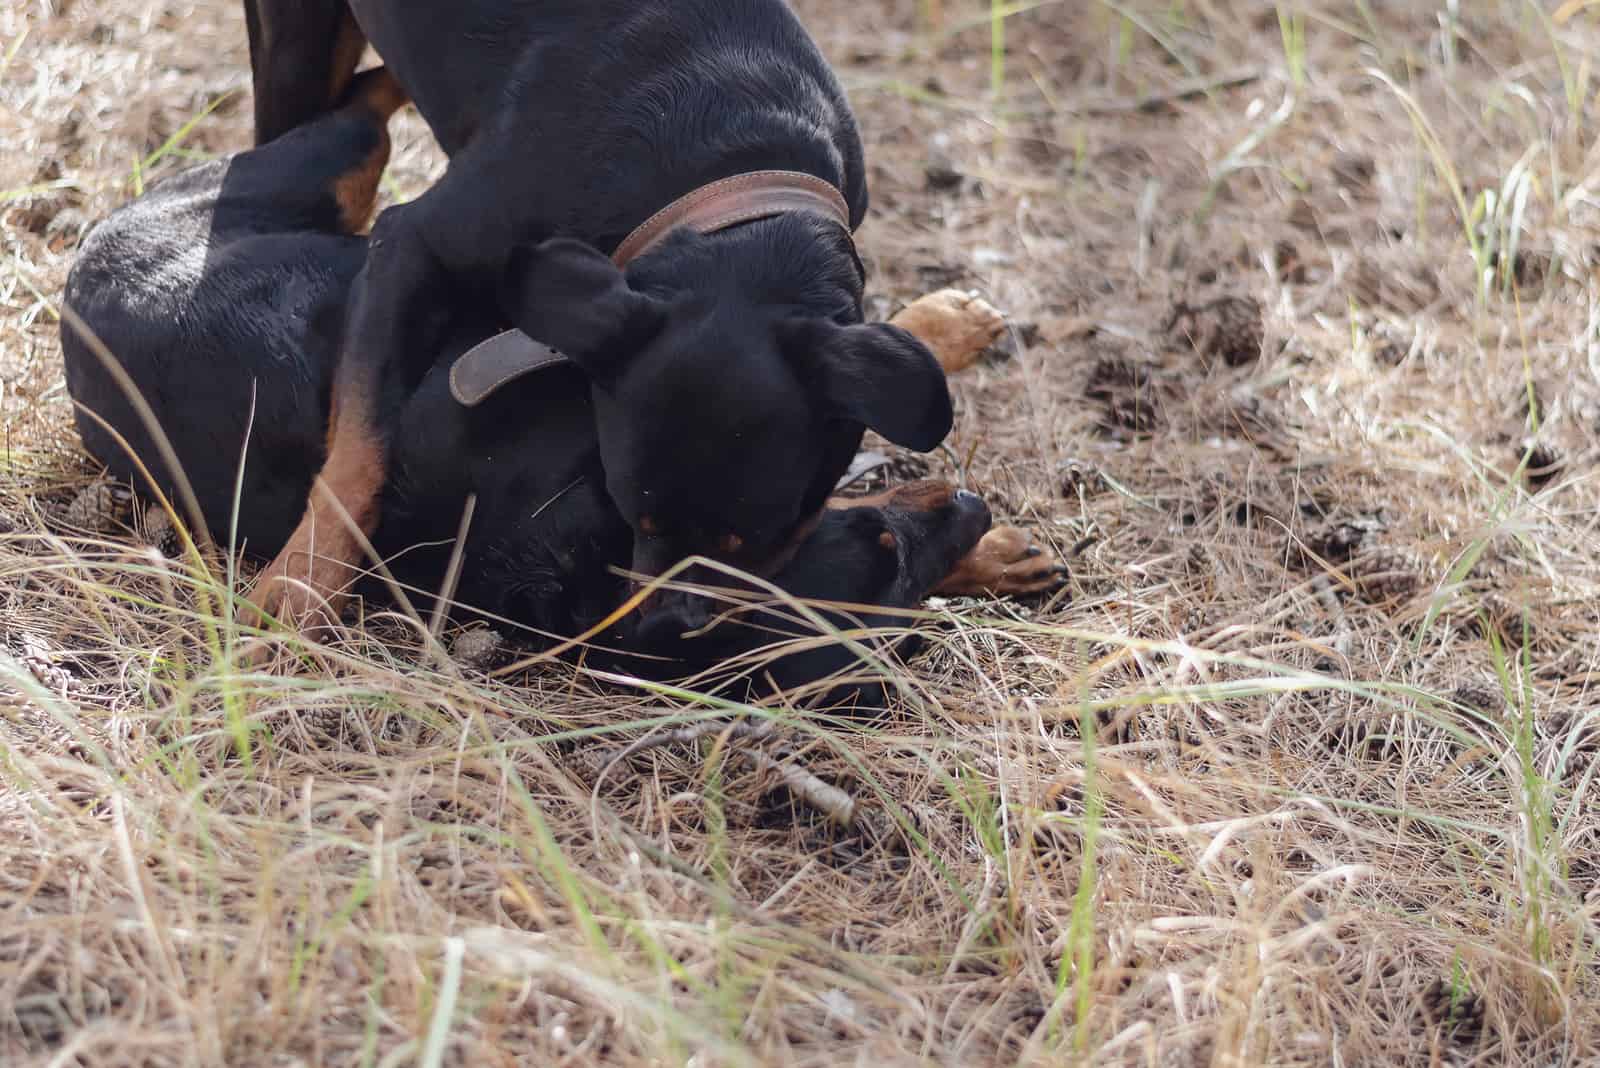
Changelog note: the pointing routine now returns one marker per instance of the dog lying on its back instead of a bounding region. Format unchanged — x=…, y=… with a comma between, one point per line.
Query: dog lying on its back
x=223, y=290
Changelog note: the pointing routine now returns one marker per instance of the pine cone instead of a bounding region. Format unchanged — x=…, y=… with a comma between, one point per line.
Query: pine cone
x=37, y=657
x=1386, y=573
x=1545, y=465
x=1480, y=696
x=158, y=532
x=97, y=508
x=1228, y=328
x=1456, y=1010
x=1127, y=393
x=1335, y=542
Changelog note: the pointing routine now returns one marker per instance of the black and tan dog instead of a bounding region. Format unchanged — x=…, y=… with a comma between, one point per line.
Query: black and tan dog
x=222, y=291
x=662, y=190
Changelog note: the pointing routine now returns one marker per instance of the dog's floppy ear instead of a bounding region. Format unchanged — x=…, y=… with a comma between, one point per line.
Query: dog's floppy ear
x=879, y=376
x=571, y=297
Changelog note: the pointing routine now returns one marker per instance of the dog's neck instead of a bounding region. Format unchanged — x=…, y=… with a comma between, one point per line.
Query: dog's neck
x=722, y=205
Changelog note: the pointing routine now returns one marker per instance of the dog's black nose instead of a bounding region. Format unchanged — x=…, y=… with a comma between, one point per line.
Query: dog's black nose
x=968, y=503
x=971, y=513
x=672, y=614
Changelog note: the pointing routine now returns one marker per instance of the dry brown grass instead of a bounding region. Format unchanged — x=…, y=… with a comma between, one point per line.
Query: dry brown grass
x=1334, y=644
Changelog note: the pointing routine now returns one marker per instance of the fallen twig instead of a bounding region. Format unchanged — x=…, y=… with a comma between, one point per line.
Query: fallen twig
x=826, y=798
x=1187, y=89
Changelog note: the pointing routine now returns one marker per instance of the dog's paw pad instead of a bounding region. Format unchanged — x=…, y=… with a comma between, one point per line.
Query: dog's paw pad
x=1006, y=562
x=957, y=325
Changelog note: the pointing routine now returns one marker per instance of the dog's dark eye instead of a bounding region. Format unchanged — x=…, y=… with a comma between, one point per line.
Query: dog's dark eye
x=730, y=543
x=648, y=526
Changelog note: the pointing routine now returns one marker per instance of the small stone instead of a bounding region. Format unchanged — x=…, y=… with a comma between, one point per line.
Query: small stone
x=479, y=648
x=941, y=173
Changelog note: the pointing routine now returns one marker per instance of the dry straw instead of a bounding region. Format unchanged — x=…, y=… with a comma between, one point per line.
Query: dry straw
x=1305, y=380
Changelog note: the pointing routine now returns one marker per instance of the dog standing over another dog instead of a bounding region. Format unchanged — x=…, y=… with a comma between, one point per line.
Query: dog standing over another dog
x=730, y=373
x=223, y=290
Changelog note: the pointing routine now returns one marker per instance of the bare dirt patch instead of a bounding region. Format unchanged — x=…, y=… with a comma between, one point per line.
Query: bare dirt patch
x=1303, y=381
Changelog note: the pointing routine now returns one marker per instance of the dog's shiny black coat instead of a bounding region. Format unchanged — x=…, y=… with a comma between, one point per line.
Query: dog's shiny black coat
x=226, y=286
x=730, y=375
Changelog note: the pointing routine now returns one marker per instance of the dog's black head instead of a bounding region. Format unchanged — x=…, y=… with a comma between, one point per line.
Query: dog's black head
x=732, y=379
x=890, y=552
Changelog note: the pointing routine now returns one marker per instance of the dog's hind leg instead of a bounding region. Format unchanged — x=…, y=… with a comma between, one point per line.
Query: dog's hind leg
x=302, y=56
x=373, y=97
x=401, y=306
x=321, y=176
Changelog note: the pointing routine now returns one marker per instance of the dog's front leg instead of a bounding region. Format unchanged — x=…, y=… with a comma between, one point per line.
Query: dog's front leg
x=393, y=329
x=957, y=326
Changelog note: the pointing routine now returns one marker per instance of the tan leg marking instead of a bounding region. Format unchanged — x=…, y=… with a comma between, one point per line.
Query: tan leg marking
x=305, y=585
x=381, y=93
x=923, y=495
x=357, y=190
x=957, y=326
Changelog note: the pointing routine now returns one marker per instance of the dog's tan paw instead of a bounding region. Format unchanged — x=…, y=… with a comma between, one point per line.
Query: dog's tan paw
x=956, y=325
x=301, y=590
x=1006, y=562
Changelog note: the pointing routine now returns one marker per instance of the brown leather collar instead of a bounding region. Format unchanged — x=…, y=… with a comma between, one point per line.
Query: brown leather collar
x=722, y=205
x=734, y=201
